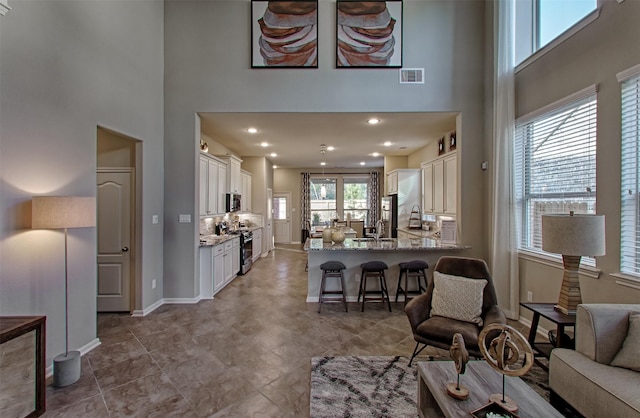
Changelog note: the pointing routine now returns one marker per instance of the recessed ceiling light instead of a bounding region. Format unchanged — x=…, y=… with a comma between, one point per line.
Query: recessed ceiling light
x=387, y=144
x=252, y=130
x=323, y=163
x=373, y=121
x=273, y=154
x=275, y=166
x=264, y=144
x=376, y=154
x=330, y=148
x=362, y=163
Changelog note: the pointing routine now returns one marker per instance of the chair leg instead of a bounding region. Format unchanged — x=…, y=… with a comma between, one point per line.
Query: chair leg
x=344, y=292
x=399, y=288
x=363, y=287
x=360, y=287
x=416, y=352
x=321, y=292
x=385, y=291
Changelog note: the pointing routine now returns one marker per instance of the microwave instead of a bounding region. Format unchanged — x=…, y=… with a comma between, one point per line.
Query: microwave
x=233, y=201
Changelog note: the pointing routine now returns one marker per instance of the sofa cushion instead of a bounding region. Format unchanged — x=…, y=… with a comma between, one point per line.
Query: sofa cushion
x=628, y=356
x=457, y=297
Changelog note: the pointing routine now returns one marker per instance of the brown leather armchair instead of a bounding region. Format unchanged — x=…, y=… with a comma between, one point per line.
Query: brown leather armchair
x=438, y=331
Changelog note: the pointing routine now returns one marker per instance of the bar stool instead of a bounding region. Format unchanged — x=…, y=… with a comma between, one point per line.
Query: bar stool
x=415, y=269
x=373, y=269
x=332, y=269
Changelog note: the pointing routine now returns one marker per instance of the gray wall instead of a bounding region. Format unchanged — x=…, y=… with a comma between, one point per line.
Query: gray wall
x=65, y=68
x=592, y=56
x=208, y=69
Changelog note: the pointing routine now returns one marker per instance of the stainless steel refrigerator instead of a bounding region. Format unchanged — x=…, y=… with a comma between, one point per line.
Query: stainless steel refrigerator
x=389, y=210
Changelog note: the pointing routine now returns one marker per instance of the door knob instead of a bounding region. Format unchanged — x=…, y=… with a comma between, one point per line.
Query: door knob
x=125, y=249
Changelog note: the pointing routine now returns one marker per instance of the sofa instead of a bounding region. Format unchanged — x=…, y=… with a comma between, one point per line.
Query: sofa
x=585, y=379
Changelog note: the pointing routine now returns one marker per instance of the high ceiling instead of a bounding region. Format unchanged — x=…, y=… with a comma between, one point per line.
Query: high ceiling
x=296, y=138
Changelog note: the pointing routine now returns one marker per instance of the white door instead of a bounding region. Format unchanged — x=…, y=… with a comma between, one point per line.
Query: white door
x=269, y=229
x=282, y=218
x=114, y=241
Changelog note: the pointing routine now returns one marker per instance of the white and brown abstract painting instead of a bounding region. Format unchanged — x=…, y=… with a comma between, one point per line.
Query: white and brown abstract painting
x=369, y=34
x=284, y=34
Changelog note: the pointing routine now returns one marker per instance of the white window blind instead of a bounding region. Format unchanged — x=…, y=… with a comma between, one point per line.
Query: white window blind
x=555, y=164
x=630, y=203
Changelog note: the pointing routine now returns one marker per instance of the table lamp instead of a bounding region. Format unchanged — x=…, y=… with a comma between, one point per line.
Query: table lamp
x=64, y=212
x=572, y=236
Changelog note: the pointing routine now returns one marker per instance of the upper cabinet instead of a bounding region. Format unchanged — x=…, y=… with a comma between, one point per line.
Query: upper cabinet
x=234, y=181
x=211, y=192
x=402, y=180
x=245, y=190
x=392, y=182
x=439, y=179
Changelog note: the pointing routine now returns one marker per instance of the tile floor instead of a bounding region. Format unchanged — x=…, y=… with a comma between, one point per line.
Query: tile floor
x=245, y=353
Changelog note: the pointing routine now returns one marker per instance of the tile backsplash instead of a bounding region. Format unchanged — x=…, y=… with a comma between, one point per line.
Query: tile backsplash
x=208, y=223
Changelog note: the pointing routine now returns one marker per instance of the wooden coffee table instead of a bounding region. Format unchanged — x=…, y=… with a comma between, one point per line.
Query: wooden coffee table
x=482, y=381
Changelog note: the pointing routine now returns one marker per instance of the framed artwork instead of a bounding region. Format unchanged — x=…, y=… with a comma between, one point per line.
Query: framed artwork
x=452, y=140
x=369, y=34
x=284, y=34
x=441, y=146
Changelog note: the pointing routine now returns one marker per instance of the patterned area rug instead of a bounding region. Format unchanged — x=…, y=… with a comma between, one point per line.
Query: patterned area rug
x=378, y=386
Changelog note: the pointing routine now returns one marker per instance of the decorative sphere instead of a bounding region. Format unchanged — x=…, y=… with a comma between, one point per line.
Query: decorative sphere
x=338, y=236
x=326, y=234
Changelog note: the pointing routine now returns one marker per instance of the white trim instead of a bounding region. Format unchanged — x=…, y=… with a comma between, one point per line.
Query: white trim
x=540, y=331
x=4, y=7
x=584, y=22
x=627, y=280
x=578, y=95
x=148, y=309
x=556, y=261
x=628, y=73
x=182, y=301
x=83, y=350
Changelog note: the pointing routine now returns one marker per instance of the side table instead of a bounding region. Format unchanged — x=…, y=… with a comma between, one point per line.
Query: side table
x=546, y=310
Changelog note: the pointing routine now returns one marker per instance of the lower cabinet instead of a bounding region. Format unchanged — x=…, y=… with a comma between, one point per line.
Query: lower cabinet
x=256, y=248
x=219, y=265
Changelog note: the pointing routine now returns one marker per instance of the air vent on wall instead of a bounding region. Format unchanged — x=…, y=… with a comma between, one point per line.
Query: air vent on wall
x=412, y=76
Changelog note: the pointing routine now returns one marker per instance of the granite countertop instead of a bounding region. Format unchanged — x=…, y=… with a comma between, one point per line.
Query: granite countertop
x=383, y=244
x=419, y=233
x=212, y=240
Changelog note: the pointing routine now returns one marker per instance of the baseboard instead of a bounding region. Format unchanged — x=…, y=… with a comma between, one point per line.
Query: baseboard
x=148, y=309
x=83, y=350
x=182, y=301
x=354, y=299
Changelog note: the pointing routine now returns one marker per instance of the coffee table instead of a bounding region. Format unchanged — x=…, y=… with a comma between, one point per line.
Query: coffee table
x=482, y=381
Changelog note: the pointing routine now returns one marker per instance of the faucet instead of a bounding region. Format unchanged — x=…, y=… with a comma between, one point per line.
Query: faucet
x=379, y=229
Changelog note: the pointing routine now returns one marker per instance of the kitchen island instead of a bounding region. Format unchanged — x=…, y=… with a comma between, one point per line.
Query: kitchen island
x=355, y=251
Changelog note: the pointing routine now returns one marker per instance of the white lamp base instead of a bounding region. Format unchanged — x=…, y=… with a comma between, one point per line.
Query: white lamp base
x=66, y=369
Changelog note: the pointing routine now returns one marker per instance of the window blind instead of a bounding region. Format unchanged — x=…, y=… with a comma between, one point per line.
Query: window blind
x=630, y=203
x=555, y=165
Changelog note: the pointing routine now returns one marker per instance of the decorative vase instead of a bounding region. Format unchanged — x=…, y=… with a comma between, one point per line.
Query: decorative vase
x=338, y=236
x=326, y=234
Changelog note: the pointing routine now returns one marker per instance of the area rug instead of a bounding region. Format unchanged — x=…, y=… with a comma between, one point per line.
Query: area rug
x=376, y=386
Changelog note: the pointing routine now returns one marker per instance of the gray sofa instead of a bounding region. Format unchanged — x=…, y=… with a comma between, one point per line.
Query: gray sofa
x=583, y=378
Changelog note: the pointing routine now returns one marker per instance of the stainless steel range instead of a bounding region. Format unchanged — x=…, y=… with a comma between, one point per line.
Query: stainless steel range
x=246, y=251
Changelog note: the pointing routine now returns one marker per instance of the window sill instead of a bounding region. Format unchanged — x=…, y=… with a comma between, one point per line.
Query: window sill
x=627, y=280
x=592, y=17
x=556, y=261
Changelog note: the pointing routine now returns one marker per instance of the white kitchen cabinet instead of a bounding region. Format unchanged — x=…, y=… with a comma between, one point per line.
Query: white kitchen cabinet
x=222, y=187
x=256, y=248
x=235, y=257
x=218, y=268
x=440, y=185
x=392, y=182
x=245, y=191
x=209, y=186
x=228, y=262
x=234, y=182
x=206, y=273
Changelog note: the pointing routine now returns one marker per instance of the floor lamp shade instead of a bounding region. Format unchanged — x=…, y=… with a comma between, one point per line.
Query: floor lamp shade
x=572, y=236
x=63, y=212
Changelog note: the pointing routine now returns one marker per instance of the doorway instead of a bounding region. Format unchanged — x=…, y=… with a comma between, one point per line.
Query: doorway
x=269, y=228
x=117, y=191
x=282, y=218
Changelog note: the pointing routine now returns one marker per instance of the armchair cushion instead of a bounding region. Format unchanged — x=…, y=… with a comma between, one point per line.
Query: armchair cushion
x=628, y=356
x=457, y=297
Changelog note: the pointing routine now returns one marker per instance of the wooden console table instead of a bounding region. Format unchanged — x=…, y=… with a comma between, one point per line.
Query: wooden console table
x=546, y=310
x=15, y=326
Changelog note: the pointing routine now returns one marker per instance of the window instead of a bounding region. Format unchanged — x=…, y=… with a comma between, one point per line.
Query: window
x=539, y=22
x=555, y=164
x=630, y=203
x=322, y=194
x=355, y=199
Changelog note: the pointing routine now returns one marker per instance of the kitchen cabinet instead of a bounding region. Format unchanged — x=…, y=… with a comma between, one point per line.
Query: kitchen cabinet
x=219, y=265
x=235, y=257
x=218, y=268
x=439, y=179
x=234, y=181
x=400, y=181
x=245, y=190
x=209, y=187
x=392, y=182
x=256, y=248
x=222, y=187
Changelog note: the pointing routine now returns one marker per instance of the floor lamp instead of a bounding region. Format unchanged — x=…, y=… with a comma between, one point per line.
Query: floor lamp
x=64, y=212
x=572, y=236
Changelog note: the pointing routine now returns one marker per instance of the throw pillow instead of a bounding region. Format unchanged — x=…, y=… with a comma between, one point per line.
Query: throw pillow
x=457, y=297
x=628, y=356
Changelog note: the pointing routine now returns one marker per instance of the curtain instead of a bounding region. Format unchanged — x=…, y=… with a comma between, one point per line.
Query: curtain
x=305, y=202
x=374, y=197
x=504, y=227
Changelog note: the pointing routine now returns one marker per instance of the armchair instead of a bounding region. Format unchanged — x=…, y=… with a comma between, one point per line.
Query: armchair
x=438, y=331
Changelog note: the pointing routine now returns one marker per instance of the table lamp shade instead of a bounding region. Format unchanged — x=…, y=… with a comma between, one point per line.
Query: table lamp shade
x=573, y=234
x=57, y=212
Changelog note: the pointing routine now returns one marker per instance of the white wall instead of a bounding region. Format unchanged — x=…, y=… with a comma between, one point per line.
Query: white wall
x=67, y=67
x=592, y=56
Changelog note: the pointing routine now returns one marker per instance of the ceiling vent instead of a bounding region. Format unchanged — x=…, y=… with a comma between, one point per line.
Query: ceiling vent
x=412, y=76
